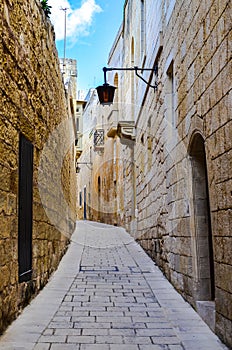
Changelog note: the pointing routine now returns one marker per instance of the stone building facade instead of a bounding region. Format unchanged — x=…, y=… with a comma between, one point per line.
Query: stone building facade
x=84, y=166
x=37, y=175
x=170, y=147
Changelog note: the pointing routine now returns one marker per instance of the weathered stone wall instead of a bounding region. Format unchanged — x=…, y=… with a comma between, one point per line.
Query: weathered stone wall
x=196, y=48
x=32, y=103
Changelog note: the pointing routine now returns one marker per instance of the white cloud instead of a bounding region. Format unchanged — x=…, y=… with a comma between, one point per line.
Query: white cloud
x=78, y=20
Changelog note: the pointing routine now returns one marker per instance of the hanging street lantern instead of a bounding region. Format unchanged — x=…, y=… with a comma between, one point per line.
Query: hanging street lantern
x=106, y=92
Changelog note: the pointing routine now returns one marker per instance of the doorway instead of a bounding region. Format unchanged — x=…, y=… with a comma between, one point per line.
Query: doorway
x=99, y=198
x=204, y=276
x=203, y=258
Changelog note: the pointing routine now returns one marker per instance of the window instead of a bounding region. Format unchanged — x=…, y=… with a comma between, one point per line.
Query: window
x=77, y=124
x=170, y=104
x=142, y=31
x=170, y=95
x=98, y=137
x=80, y=199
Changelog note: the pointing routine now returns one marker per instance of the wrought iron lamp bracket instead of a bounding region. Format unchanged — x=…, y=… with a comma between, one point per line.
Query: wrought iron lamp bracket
x=136, y=70
x=81, y=163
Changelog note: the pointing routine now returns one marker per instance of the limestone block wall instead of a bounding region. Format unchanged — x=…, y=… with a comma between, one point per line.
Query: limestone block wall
x=182, y=153
x=33, y=104
x=195, y=56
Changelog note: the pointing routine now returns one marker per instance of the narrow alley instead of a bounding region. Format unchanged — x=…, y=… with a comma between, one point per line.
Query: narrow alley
x=108, y=294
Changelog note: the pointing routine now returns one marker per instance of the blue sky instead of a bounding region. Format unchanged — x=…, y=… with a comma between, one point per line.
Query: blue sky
x=92, y=26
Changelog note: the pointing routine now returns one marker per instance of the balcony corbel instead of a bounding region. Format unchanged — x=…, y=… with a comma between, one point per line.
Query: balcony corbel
x=126, y=130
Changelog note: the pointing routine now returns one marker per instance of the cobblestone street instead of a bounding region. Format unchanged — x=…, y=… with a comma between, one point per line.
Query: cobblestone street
x=108, y=294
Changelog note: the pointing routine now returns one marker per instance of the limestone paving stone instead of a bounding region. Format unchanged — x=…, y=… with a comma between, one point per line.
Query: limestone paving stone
x=110, y=339
x=124, y=347
x=164, y=332
x=122, y=331
x=95, y=331
x=53, y=339
x=154, y=347
x=92, y=325
x=42, y=347
x=82, y=339
x=67, y=331
x=175, y=347
x=64, y=347
x=95, y=347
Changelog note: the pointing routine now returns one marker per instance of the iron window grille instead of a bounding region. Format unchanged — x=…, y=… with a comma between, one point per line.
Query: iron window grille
x=98, y=138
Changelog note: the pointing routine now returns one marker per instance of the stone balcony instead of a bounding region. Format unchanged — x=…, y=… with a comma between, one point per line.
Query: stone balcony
x=112, y=123
x=78, y=144
x=125, y=129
